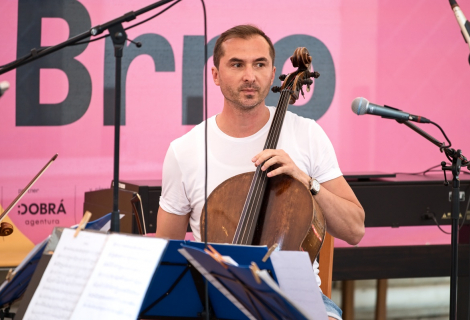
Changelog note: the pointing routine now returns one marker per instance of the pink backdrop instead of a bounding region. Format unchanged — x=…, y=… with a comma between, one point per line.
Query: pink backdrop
x=409, y=55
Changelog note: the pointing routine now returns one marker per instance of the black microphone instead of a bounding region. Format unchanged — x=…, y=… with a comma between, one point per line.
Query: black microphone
x=4, y=85
x=361, y=106
x=461, y=20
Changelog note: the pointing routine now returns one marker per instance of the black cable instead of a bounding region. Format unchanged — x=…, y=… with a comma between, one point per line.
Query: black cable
x=443, y=147
x=433, y=216
x=26, y=57
x=464, y=216
x=154, y=16
x=421, y=172
x=205, y=154
x=431, y=169
x=450, y=144
x=130, y=27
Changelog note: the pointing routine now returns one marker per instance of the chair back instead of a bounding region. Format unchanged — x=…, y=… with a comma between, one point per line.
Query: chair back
x=326, y=265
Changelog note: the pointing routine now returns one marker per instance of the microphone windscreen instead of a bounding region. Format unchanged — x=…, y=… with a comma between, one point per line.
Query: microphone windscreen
x=4, y=85
x=359, y=106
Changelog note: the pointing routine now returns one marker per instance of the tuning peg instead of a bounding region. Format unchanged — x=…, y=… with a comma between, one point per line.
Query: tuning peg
x=276, y=89
x=302, y=92
x=313, y=74
x=307, y=81
x=282, y=77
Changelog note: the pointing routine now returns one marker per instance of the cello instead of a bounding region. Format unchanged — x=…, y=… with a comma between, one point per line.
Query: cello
x=250, y=209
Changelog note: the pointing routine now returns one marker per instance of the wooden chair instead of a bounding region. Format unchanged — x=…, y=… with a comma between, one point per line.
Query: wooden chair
x=326, y=276
x=326, y=264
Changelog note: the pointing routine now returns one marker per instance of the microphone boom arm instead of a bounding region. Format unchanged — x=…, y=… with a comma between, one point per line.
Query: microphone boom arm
x=448, y=151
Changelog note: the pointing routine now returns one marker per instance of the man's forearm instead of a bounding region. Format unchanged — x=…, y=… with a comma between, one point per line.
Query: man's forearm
x=343, y=213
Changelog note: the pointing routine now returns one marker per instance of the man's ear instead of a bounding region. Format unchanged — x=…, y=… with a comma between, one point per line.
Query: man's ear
x=272, y=77
x=215, y=76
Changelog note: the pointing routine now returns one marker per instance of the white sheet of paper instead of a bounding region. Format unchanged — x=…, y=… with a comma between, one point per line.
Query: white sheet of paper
x=122, y=275
x=66, y=275
x=264, y=275
x=96, y=276
x=297, y=280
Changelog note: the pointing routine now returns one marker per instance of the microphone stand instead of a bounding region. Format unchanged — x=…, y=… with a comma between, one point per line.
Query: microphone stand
x=457, y=161
x=119, y=37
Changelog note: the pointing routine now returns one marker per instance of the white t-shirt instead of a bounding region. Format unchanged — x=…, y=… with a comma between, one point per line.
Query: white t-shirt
x=183, y=169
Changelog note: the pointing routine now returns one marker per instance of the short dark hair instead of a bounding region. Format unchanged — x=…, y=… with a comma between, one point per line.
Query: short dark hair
x=244, y=32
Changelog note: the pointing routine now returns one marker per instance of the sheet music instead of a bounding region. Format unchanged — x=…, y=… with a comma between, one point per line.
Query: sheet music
x=117, y=287
x=66, y=275
x=297, y=280
x=96, y=276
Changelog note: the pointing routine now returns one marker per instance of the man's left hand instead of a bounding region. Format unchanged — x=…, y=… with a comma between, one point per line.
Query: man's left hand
x=282, y=163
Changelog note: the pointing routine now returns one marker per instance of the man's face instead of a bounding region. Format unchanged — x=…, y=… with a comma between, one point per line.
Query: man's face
x=245, y=72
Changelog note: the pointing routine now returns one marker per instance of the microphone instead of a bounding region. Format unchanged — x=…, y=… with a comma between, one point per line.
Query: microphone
x=4, y=85
x=361, y=106
x=461, y=20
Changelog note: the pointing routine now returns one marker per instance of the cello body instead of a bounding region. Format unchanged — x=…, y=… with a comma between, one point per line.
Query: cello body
x=289, y=216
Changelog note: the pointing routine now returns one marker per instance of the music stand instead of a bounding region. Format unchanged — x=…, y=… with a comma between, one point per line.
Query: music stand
x=177, y=288
x=257, y=298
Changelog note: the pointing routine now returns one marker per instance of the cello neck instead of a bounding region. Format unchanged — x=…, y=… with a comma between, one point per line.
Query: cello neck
x=276, y=126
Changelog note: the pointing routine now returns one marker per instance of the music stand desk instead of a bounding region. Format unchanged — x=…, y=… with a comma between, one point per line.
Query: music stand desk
x=177, y=288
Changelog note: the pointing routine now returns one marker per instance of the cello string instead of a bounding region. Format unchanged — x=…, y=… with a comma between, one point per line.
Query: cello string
x=250, y=210
x=248, y=213
x=260, y=177
x=271, y=143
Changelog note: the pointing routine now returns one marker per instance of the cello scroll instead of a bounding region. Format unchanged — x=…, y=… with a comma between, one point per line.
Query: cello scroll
x=295, y=81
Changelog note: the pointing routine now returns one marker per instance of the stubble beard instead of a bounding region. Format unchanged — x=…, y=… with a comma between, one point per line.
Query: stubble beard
x=245, y=102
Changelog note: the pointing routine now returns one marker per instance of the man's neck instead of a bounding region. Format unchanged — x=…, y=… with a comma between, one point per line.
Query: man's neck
x=242, y=123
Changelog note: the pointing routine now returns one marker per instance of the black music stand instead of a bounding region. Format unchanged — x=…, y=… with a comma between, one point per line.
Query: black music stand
x=255, y=293
x=177, y=288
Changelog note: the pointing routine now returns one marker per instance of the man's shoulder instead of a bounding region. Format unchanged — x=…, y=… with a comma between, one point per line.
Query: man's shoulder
x=190, y=138
x=303, y=128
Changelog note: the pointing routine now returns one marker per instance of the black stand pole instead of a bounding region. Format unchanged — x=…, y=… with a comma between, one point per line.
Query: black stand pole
x=119, y=37
x=457, y=161
x=455, y=168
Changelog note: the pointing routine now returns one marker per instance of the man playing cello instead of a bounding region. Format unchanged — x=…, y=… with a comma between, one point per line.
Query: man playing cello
x=244, y=70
